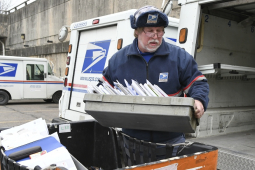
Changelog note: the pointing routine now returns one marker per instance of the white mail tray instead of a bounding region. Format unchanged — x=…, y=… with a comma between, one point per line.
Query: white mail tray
x=173, y=114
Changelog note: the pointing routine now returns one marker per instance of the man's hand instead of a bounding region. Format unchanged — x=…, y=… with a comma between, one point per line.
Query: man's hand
x=199, y=109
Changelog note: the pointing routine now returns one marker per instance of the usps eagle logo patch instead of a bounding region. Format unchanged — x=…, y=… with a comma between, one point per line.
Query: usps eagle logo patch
x=152, y=19
x=163, y=77
x=8, y=69
x=95, y=57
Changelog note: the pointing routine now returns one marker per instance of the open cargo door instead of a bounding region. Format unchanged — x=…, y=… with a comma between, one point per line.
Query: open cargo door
x=94, y=49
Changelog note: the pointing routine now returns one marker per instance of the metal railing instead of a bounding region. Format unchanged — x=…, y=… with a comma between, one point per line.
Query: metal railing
x=4, y=12
x=16, y=7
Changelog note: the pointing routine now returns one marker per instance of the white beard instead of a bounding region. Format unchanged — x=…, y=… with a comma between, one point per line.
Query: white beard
x=151, y=50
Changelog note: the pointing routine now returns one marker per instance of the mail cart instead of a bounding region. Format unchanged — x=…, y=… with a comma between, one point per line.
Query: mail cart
x=96, y=146
x=99, y=143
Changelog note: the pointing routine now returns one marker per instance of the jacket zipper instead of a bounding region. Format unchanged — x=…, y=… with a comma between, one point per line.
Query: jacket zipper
x=147, y=71
x=147, y=77
x=147, y=67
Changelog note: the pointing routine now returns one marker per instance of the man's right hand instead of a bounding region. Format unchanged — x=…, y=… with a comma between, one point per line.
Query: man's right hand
x=199, y=109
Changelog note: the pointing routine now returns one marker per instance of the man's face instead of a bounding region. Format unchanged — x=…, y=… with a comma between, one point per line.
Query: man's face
x=148, y=40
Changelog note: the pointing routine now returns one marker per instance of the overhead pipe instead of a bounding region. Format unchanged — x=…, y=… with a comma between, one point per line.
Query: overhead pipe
x=168, y=7
x=3, y=48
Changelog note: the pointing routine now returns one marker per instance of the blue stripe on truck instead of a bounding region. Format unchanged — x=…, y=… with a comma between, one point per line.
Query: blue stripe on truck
x=75, y=90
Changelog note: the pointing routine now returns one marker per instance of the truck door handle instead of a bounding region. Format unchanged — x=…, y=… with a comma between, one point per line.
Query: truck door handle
x=45, y=75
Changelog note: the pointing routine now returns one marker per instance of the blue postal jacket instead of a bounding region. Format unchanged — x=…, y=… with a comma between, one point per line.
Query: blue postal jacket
x=171, y=68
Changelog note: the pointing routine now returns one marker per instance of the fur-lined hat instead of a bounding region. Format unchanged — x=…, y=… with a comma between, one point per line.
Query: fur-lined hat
x=148, y=16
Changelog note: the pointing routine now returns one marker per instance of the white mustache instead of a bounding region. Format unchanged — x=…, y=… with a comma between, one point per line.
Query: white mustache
x=156, y=41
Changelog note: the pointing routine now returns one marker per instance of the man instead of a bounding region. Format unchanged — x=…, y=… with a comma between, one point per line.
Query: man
x=150, y=57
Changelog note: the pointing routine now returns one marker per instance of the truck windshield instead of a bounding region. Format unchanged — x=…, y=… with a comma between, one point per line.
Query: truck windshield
x=49, y=70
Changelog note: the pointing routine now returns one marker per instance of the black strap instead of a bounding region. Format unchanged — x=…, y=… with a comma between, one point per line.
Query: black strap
x=5, y=162
x=148, y=144
x=137, y=151
x=121, y=136
x=115, y=138
x=131, y=148
x=161, y=150
x=169, y=150
x=23, y=167
x=11, y=164
x=153, y=151
x=17, y=166
x=39, y=168
x=1, y=155
x=141, y=151
x=145, y=152
x=2, y=148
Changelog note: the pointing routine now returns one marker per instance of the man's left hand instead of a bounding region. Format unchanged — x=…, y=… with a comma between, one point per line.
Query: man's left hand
x=199, y=109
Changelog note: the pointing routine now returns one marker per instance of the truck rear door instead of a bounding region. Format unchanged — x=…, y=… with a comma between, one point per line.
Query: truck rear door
x=95, y=47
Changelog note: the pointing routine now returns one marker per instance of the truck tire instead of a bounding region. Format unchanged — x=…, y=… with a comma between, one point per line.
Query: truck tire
x=4, y=97
x=56, y=96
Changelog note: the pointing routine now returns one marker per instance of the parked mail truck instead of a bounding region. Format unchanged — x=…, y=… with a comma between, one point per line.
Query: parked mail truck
x=28, y=78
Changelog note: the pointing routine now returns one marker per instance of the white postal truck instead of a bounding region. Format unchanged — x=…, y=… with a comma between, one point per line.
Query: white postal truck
x=220, y=35
x=92, y=43
x=28, y=78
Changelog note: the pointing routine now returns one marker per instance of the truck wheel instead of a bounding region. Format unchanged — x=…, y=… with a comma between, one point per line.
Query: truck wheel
x=56, y=96
x=4, y=98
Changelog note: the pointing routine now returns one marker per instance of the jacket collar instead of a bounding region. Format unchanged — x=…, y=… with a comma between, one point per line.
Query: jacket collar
x=162, y=50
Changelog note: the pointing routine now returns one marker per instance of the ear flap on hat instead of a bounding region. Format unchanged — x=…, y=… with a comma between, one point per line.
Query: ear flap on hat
x=164, y=18
x=132, y=22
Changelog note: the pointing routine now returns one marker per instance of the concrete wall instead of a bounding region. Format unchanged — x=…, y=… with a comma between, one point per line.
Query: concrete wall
x=3, y=30
x=3, y=25
x=41, y=21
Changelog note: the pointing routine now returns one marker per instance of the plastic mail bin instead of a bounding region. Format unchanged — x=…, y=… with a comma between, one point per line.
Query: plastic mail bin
x=174, y=114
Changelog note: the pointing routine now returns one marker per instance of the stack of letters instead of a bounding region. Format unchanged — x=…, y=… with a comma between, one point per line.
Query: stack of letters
x=133, y=89
x=31, y=145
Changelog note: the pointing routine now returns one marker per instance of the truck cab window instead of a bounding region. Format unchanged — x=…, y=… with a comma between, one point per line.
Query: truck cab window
x=50, y=72
x=28, y=73
x=35, y=72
